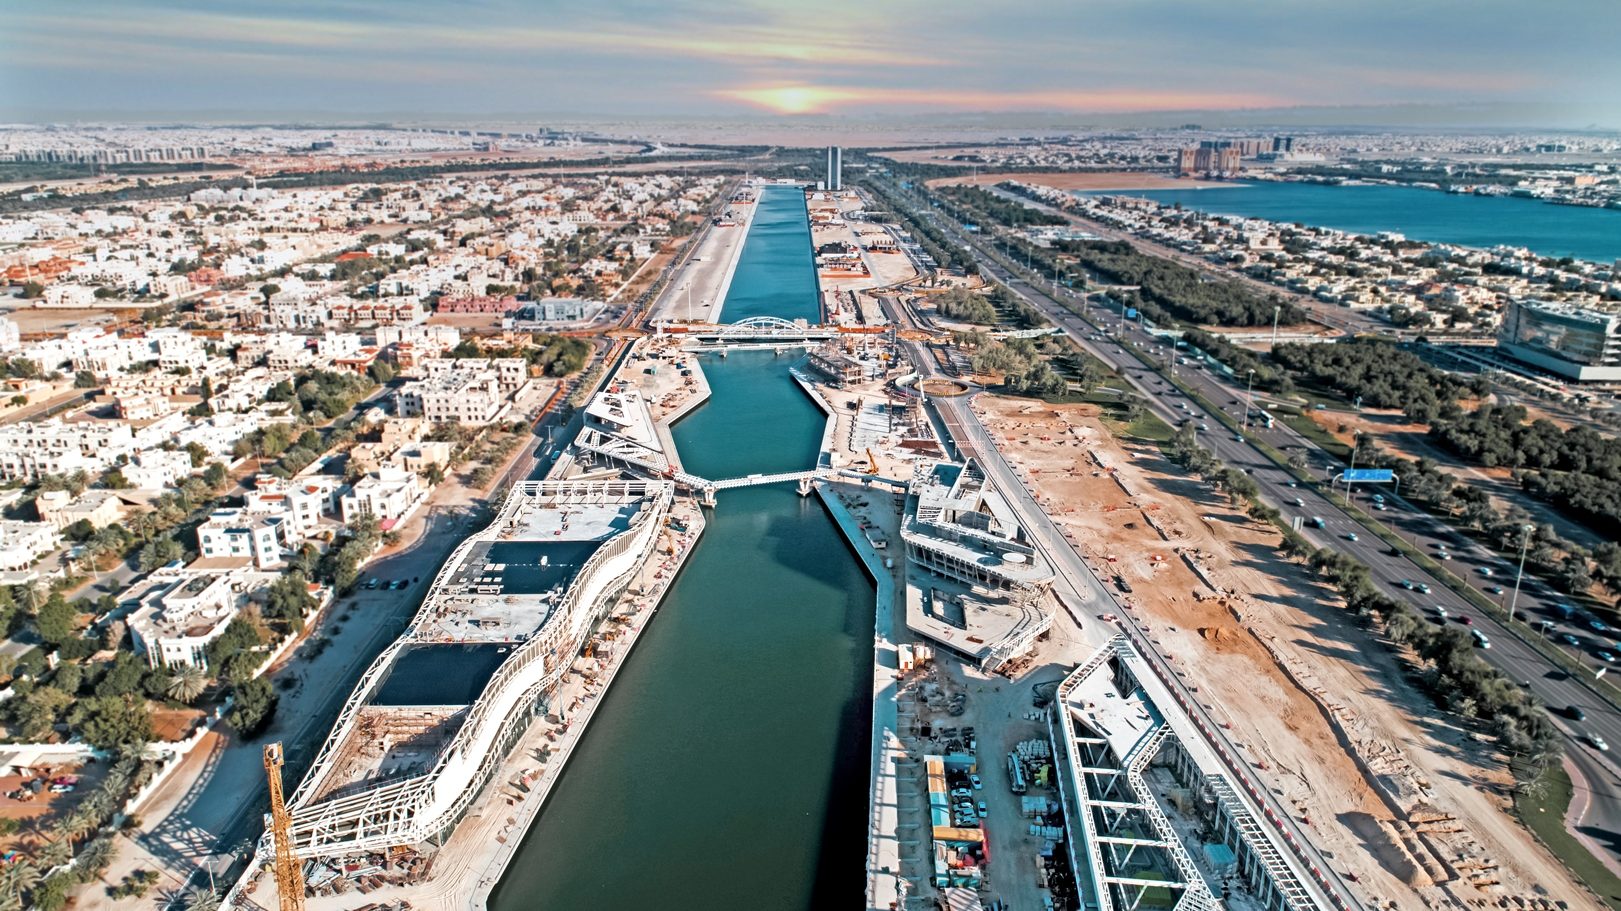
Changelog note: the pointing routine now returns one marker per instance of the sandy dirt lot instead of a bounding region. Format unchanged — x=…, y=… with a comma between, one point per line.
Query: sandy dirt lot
x=1080, y=180
x=1320, y=705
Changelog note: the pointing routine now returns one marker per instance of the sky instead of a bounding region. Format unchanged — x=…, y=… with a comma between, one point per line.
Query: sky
x=302, y=59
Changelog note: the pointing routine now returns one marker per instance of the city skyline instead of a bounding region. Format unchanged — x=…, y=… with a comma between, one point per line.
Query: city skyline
x=168, y=58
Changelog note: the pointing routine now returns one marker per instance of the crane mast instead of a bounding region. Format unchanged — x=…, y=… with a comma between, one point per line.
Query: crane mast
x=289, y=872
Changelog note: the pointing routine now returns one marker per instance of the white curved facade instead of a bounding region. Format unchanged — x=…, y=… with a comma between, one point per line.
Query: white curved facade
x=398, y=773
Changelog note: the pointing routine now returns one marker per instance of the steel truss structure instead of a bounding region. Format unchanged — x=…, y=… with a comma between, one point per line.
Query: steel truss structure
x=426, y=807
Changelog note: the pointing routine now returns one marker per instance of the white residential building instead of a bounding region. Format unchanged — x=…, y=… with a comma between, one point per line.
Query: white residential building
x=23, y=543
x=180, y=615
x=464, y=396
x=239, y=534
x=156, y=469
x=32, y=449
x=387, y=495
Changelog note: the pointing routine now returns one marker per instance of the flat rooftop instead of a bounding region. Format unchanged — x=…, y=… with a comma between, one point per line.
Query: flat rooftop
x=967, y=622
x=504, y=589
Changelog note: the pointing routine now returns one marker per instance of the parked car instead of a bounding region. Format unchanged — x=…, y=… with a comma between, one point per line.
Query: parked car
x=976, y=782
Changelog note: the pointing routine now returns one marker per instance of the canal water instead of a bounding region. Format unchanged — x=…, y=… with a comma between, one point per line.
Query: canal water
x=727, y=767
x=1430, y=215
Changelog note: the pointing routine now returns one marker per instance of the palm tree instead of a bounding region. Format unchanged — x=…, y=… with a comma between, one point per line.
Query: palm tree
x=201, y=898
x=76, y=825
x=99, y=805
x=55, y=853
x=17, y=878
x=187, y=684
x=96, y=855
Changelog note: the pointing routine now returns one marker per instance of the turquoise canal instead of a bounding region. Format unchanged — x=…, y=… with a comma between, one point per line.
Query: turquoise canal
x=776, y=275
x=1473, y=221
x=727, y=767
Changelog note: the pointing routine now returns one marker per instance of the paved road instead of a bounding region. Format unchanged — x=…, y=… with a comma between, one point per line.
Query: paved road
x=965, y=431
x=1508, y=651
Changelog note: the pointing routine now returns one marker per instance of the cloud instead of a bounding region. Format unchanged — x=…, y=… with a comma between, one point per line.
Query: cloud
x=706, y=56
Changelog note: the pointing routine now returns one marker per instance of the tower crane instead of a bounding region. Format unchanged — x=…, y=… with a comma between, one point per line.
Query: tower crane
x=289, y=872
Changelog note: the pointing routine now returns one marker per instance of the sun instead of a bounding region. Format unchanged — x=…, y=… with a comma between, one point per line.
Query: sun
x=791, y=99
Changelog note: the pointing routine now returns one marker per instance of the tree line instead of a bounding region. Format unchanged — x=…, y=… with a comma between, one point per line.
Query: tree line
x=1380, y=373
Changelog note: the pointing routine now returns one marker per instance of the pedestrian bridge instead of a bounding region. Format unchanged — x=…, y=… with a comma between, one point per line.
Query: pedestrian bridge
x=654, y=462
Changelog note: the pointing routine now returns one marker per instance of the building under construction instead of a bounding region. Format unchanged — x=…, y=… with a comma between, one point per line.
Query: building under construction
x=434, y=715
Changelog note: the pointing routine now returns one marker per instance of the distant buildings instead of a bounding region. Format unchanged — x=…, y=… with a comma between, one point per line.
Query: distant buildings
x=1574, y=342
x=1208, y=158
x=835, y=168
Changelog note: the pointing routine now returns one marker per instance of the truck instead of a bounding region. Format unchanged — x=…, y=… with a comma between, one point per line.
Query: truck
x=1015, y=773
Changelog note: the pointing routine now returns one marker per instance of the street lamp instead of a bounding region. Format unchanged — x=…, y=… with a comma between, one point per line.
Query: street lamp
x=1276, y=309
x=1249, y=398
x=1525, y=544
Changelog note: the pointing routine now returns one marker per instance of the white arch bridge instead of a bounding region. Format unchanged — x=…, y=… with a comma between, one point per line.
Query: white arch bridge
x=755, y=330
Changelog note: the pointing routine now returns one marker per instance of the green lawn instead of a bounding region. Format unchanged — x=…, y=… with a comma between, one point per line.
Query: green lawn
x=1313, y=431
x=1543, y=812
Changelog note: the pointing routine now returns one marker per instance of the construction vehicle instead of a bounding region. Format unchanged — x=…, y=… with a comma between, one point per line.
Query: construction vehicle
x=872, y=462
x=289, y=870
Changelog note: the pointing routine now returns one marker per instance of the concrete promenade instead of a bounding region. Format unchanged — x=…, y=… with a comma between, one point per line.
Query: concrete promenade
x=884, y=879
x=699, y=292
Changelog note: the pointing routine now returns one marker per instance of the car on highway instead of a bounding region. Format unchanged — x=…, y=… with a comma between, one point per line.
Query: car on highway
x=1496, y=589
x=1484, y=571
x=1597, y=625
x=1301, y=502
x=1466, y=620
x=1570, y=640
x=1408, y=584
x=1238, y=438
x=1203, y=426
x=1442, y=612
x=1480, y=639
x=1443, y=555
x=1608, y=657
x=1351, y=536
x=1424, y=587
x=1598, y=743
x=1575, y=713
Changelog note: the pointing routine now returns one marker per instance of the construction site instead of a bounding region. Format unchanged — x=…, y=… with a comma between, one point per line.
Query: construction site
x=1409, y=803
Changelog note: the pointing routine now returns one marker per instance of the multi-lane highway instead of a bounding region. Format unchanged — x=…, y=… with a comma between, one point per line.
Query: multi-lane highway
x=1345, y=534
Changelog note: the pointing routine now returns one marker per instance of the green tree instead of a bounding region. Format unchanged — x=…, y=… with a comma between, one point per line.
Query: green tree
x=110, y=722
x=254, y=706
x=57, y=621
x=33, y=290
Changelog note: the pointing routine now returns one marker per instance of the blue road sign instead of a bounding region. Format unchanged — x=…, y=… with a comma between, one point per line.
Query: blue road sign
x=1374, y=475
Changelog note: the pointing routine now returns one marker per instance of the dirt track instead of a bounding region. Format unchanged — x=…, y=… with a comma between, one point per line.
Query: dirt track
x=1316, y=700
